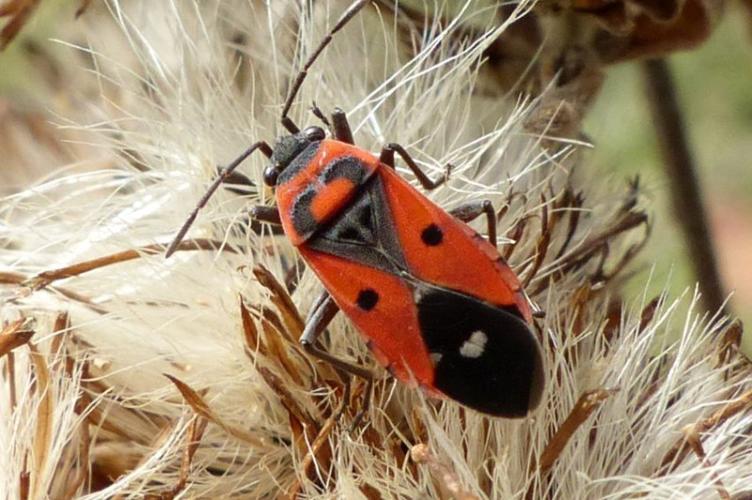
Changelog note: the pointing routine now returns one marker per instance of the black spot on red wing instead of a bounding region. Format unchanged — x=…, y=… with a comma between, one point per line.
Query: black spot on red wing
x=432, y=235
x=502, y=377
x=367, y=299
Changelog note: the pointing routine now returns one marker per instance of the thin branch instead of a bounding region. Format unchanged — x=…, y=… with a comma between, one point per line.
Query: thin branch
x=680, y=168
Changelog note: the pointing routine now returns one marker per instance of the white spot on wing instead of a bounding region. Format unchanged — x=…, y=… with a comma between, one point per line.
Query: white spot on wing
x=475, y=345
x=418, y=292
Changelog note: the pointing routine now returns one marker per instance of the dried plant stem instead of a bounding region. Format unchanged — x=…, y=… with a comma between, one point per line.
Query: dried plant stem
x=309, y=462
x=282, y=300
x=692, y=438
x=680, y=168
x=20, y=279
x=583, y=408
x=11, y=374
x=197, y=403
x=679, y=451
x=43, y=279
x=84, y=451
x=586, y=404
x=44, y=424
x=23, y=482
x=13, y=336
x=192, y=441
x=287, y=399
x=579, y=256
x=18, y=12
x=731, y=340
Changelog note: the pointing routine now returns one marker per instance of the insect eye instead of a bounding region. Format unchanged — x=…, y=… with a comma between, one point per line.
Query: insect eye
x=270, y=175
x=314, y=133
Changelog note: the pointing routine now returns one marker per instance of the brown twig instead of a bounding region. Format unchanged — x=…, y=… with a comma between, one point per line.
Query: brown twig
x=287, y=399
x=199, y=405
x=23, y=484
x=192, y=440
x=680, y=168
x=587, y=403
x=290, y=315
x=7, y=278
x=45, y=278
x=84, y=463
x=18, y=12
x=694, y=441
x=585, y=251
x=318, y=454
x=250, y=332
x=14, y=335
x=583, y=408
x=541, y=247
x=731, y=340
x=43, y=427
x=11, y=373
x=679, y=451
x=83, y=5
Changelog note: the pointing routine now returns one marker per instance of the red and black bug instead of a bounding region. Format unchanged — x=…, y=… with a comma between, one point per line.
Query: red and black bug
x=435, y=302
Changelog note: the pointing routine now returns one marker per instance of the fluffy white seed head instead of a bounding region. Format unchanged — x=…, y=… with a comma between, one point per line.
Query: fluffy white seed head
x=184, y=88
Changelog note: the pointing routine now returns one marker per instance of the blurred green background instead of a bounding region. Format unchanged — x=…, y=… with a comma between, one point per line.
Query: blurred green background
x=715, y=91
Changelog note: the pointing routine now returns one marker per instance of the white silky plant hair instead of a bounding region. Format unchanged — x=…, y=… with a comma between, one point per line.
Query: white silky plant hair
x=126, y=374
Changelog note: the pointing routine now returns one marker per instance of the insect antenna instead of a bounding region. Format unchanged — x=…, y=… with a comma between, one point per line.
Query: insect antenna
x=226, y=172
x=320, y=115
x=341, y=22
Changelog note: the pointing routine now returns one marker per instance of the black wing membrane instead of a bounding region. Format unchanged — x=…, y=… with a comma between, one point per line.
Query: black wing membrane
x=486, y=357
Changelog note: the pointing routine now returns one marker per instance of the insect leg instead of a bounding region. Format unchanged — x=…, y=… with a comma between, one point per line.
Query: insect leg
x=320, y=115
x=237, y=179
x=293, y=275
x=387, y=157
x=226, y=172
x=320, y=316
x=341, y=128
x=322, y=313
x=270, y=215
x=472, y=210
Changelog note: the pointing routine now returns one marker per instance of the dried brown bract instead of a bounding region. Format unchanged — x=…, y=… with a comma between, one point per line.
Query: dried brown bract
x=18, y=13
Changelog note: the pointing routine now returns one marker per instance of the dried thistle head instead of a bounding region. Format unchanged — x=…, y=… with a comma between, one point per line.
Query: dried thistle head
x=184, y=376
x=559, y=49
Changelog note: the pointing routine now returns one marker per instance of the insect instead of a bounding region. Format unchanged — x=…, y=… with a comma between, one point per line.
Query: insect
x=434, y=301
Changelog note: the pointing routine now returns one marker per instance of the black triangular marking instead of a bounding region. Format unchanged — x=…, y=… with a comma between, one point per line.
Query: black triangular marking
x=363, y=232
x=354, y=224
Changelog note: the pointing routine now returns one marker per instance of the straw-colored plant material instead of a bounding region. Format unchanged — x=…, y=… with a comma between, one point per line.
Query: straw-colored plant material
x=14, y=335
x=17, y=13
x=641, y=400
x=562, y=47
